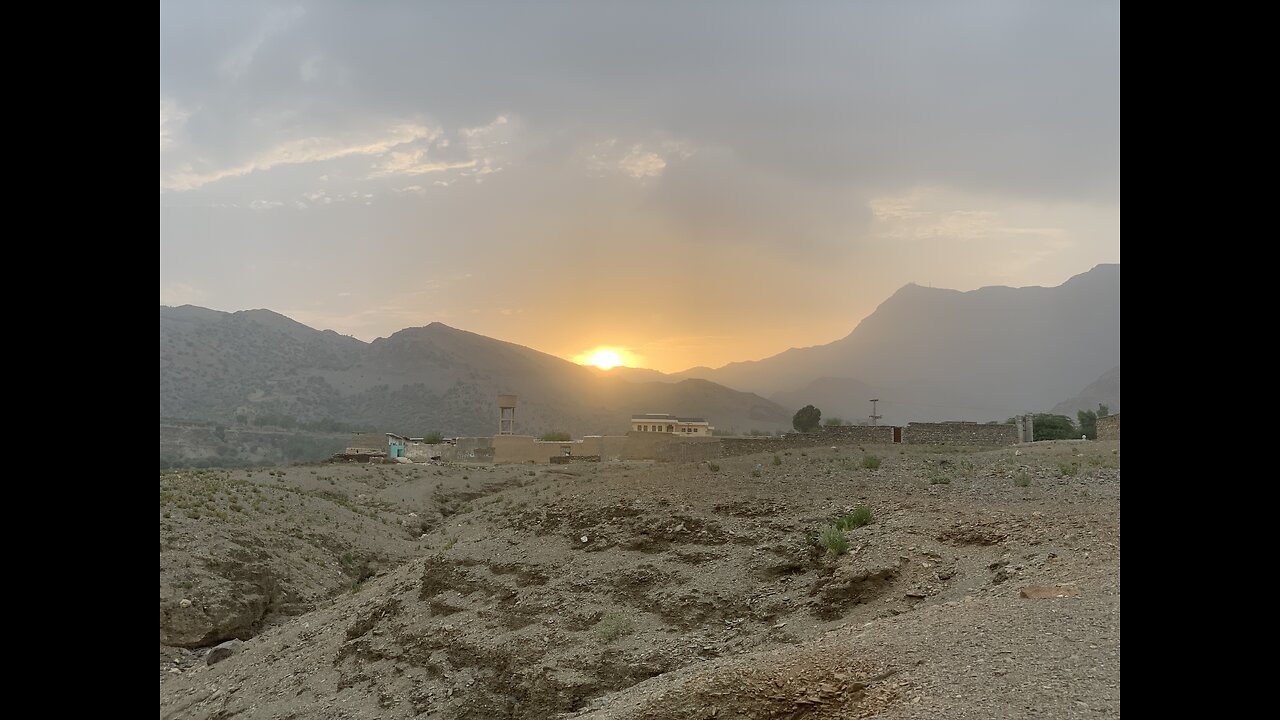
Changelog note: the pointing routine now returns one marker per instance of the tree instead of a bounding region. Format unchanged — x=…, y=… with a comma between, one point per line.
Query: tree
x=833, y=421
x=807, y=418
x=1089, y=420
x=433, y=438
x=1054, y=427
x=556, y=437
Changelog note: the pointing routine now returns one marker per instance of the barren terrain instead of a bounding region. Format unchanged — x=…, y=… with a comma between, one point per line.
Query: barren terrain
x=641, y=590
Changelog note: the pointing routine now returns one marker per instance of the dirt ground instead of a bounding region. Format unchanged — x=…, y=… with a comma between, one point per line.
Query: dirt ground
x=641, y=590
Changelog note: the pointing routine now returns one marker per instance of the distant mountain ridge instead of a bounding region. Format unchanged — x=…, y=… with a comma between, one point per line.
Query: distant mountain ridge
x=220, y=367
x=1103, y=391
x=936, y=354
x=925, y=353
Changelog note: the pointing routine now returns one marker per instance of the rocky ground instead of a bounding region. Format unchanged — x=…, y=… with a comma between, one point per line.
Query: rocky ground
x=638, y=590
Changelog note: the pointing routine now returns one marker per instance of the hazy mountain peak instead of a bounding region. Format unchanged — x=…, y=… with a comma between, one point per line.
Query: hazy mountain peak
x=937, y=353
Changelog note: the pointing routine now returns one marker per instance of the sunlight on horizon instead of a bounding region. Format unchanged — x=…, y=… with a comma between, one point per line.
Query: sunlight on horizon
x=606, y=358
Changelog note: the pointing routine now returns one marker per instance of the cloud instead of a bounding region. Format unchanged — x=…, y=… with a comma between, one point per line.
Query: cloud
x=641, y=164
x=637, y=160
x=265, y=204
x=236, y=62
x=929, y=213
x=172, y=120
x=298, y=152
x=415, y=163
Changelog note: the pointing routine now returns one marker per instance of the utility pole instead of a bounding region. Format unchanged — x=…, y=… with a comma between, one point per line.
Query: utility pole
x=874, y=416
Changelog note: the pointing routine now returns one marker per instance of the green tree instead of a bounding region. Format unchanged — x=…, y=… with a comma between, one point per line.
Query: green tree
x=1088, y=420
x=432, y=438
x=556, y=437
x=806, y=418
x=1054, y=427
x=833, y=421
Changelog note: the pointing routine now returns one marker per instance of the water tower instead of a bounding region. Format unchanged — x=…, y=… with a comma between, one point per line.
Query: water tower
x=506, y=414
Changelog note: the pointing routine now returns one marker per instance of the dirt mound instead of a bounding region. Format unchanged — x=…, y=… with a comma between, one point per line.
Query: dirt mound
x=695, y=594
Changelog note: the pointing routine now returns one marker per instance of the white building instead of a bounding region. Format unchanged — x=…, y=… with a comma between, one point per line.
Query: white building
x=664, y=423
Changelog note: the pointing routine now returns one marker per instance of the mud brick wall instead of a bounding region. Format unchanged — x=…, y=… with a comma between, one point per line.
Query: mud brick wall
x=670, y=448
x=859, y=433
x=960, y=433
x=1109, y=427
x=732, y=446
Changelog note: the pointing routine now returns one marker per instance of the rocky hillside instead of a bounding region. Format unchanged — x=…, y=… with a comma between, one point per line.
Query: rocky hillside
x=259, y=367
x=987, y=584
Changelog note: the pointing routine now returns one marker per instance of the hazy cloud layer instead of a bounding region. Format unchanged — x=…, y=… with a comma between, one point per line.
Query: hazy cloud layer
x=697, y=182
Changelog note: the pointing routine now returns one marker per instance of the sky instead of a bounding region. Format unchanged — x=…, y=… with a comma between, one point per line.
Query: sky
x=688, y=183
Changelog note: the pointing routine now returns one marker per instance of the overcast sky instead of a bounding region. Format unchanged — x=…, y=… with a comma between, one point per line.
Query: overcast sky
x=697, y=182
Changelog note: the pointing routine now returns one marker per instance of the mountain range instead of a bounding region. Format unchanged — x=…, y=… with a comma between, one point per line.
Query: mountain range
x=257, y=365
x=924, y=353
x=931, y=354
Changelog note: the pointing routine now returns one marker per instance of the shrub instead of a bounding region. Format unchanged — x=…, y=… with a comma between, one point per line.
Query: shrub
x=1022, y=479
x=937, y=477
x=860, y=516
x=806, y=418
x=713, y=467
x=1068, y=469
x=358, y=568
x=832, y=538
x=777, y=460
x=613, y=626
x=1054, y=427
x=871, y=462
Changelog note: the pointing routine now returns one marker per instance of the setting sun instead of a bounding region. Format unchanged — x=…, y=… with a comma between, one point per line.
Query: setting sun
x=606, y=358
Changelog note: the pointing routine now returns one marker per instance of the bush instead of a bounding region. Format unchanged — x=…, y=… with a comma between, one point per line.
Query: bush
x=1068, y=469
x=1054, y=427
x=860, y=516
x=613, y=626
x=556, y=437
x=871, y=462
x=433, y=438
x=832, y=538
x=777, y=460
x=713, y=467
x=937, y=477
x=1022, y=479
x=806, y=418
x=358, y=568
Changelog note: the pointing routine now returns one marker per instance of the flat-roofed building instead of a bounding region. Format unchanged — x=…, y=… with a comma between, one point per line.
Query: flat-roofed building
x=664, y=423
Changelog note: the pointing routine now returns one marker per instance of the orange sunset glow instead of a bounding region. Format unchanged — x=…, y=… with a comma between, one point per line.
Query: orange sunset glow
x=606, y=358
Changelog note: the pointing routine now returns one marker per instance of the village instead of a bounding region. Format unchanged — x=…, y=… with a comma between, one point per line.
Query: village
x=668, y=438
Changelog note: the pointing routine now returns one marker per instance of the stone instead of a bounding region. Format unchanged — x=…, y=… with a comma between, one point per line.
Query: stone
x=184, y=603
x=222, y=651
